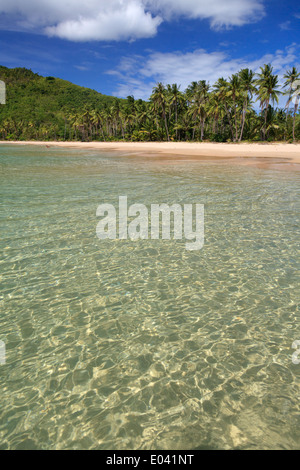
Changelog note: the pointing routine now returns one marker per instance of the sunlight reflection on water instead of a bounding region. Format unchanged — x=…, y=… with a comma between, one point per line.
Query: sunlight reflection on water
x=143, y=345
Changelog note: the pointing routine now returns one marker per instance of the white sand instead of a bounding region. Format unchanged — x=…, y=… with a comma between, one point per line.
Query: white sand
x=258, y=154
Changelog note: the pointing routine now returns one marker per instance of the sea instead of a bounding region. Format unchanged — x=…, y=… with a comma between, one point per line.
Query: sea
x=141, y=344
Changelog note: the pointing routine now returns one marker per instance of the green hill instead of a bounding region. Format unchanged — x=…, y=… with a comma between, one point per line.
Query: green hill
x=43, y=107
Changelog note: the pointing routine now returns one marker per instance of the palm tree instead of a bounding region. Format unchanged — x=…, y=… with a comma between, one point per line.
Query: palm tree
x=148, y=131
x=141, y=113
x=247, y=89
x=108, y=118
x=234, y=92
x=221, y=92
x=97, y=120
x=191, y=91
x=216, y=109
x=159, y=100
x=198, y=108
x=176, y=99
x=76, y=122
x=184, y=125
x=293, y=84
x=128, y=118
x=267, y=83
x=87, y=120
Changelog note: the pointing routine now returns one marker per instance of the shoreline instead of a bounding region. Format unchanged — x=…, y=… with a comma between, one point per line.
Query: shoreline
x=270, y=155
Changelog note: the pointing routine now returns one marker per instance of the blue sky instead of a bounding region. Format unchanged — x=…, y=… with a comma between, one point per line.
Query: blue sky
x=123, y=47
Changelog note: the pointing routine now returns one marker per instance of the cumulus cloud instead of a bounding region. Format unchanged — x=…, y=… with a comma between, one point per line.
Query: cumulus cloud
x=126, y=21
x=75, y=20
x=137, y=75
x=106, y=20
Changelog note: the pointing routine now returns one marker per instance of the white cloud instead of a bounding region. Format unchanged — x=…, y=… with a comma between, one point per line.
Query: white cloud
x=82, y=68
x=78, y=20
x=137, y=75
x=285, y=26
x=220, y=12
x=125, y=21
x=103, y=20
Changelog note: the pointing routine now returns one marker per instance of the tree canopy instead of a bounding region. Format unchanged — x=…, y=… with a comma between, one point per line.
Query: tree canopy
x=48, y=108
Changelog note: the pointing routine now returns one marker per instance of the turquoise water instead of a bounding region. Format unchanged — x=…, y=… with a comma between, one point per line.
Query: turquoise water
x=142, y=344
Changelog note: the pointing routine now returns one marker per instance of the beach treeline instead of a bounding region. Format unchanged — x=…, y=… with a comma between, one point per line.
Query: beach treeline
x=244, y=107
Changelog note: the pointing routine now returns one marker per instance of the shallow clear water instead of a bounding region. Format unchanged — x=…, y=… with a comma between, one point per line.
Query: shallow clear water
x=143, y=344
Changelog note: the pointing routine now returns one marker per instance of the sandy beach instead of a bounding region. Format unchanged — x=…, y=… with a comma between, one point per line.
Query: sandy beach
x=264, y=155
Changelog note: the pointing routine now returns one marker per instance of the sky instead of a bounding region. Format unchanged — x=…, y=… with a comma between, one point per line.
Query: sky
x=124, y=47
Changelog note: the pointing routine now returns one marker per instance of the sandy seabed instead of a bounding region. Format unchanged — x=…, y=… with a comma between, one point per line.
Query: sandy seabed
x=264, y=155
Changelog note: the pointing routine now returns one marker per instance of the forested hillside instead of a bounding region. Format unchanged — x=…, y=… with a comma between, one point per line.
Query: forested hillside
x=40, y=107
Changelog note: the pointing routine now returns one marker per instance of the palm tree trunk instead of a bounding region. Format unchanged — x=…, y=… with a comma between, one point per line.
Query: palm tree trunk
x=286, y=121
x=235, y=123
x=294, y=120
x=202, y=129
x=244, y=119
x=265, y=125
x=176, y=119
x=230, y=124
x=166, y=124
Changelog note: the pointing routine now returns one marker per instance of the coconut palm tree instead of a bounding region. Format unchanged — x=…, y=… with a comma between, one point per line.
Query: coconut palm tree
x=176, y=100
x=184, y=125
x=267, y=91
x=191, y=91
x=247, y=89
x=87, y=120
x=216, y=109
x=198, y=107
x=234, y=92
x=97, y=120
x=76, y=122
x=293, y=84
x=221, y=92
x=148, y=131
x=159, y=100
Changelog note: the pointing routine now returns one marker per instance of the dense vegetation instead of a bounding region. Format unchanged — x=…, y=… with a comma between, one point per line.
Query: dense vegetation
x=40, y=108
